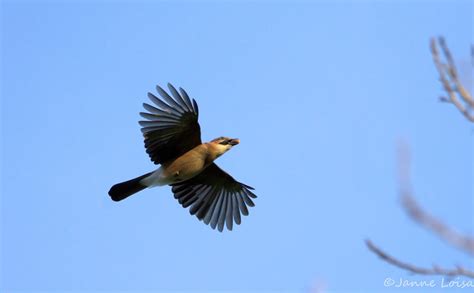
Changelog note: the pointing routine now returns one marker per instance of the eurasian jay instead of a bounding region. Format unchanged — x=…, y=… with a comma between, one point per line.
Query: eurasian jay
x=173, y=139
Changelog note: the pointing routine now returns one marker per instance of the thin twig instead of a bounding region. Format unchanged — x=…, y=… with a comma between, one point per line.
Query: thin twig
x=435, y=270
x=449, y=79
x=453, y=74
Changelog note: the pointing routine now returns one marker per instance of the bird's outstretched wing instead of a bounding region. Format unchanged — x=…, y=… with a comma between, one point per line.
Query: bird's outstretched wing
x=215, y=197
x=172, y=127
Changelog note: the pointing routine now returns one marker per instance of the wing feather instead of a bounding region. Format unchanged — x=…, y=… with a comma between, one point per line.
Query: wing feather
x=171, y=102
x=215, y=198
x=171, y=127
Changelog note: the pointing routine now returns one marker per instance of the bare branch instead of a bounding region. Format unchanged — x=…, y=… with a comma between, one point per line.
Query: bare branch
x=457, y=94
x=435, y=270
x=446, y=233
x=419, y=215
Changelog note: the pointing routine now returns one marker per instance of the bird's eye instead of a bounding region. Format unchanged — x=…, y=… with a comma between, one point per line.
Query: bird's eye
x=224, y=142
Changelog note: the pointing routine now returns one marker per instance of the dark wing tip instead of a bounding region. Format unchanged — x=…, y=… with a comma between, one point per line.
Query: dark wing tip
x=247, y=186
x=196, y=108
x=151, y=96
x=159, y=88
x=170, y=86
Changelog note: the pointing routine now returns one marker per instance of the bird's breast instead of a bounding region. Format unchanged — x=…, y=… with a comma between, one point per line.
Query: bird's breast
x=185, y=167
x=181, y=169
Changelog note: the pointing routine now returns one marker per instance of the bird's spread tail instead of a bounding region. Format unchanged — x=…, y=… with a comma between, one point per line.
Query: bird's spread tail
x=123, y=190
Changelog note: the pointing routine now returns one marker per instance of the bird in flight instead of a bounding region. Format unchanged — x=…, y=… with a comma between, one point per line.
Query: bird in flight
x=172, y=138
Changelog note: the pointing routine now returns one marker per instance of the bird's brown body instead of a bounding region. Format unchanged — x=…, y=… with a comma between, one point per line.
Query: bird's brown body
x=186, y=166
x=192, y=163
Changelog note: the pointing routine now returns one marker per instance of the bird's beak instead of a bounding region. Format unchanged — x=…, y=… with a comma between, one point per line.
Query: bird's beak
x=234, y=141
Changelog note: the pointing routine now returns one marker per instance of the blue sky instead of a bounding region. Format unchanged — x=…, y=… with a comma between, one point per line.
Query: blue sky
x=319, y=94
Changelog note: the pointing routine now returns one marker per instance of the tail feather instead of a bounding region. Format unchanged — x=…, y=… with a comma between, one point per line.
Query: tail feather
x=123, y=190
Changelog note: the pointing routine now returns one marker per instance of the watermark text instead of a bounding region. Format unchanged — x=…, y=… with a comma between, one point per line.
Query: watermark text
x=442, y=282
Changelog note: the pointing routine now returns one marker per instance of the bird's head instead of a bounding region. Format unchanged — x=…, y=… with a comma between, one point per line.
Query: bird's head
x=222, y=144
